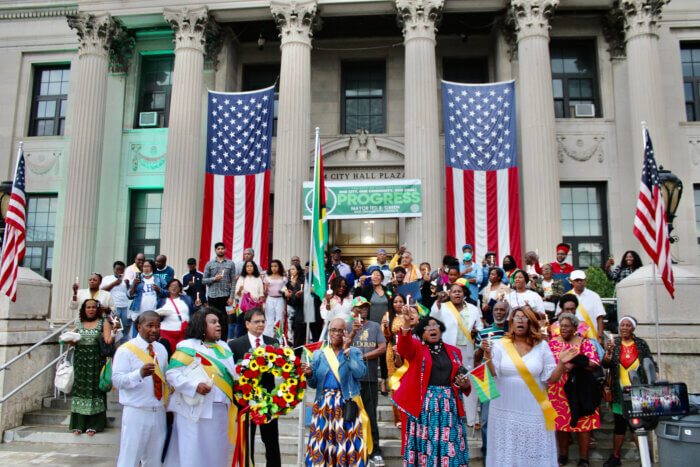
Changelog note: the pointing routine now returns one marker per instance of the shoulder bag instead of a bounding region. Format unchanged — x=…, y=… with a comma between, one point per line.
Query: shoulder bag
x=64, y=373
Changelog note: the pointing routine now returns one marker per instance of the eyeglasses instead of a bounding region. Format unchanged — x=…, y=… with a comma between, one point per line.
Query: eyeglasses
x=336, y=331
x=520, y=319
x=432, y=326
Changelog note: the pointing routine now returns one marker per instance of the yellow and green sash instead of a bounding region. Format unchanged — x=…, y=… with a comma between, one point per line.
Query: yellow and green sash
x=364, y=418
x=541, y=396
x=458, y=317
x=395, y=379
x=218, y=372
x=145, y=358
x=593, y=331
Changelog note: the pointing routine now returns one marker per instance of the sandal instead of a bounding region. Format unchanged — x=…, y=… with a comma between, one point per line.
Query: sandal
x=77, y=432
x=90, y=432
x=563, y=460
x=383, y=388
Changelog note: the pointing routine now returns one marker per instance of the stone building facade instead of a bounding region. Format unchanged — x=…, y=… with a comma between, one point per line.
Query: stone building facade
x=109, y=98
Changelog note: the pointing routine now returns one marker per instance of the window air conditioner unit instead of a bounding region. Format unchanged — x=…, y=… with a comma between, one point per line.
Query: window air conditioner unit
x=148, y=118
x=584, y=110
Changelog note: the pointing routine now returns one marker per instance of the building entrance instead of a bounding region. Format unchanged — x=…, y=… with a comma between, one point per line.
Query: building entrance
x=361, y=238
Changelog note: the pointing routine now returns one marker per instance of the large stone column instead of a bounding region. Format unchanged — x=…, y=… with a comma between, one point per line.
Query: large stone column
x=538, y=147
x=294, y=20
x=85, y=156
x=180, y=216
x=423, y=160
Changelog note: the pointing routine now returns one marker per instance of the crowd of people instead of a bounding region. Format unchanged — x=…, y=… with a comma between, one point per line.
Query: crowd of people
x=392, y=328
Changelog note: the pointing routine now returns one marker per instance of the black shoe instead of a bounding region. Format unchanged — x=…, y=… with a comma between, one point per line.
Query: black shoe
x=612, y=461
x=563, y=460
x=582, y=463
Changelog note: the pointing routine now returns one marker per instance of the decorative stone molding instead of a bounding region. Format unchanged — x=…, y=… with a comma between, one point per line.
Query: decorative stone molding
x=152, y=162
x=121, y=50
x=694, y=149
x=190, y=26
x=41, y=162
x=32, y=13
x=642, y=16
x=95, y=32
x=363, y=149
x=613, y=28
x=531, y=17
x=419, y=18
x=580, y=153
x=295, y=20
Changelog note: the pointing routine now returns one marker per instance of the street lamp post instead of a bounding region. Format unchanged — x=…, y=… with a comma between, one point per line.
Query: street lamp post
x=672, y=189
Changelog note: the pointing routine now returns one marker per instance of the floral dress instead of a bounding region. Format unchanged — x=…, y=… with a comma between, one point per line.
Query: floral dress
x=558, y=397
x=88, y=405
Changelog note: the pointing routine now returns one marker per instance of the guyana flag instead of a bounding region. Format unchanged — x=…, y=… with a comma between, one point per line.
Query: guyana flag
x=423, y=311
x=484, y=383
x=319, y=228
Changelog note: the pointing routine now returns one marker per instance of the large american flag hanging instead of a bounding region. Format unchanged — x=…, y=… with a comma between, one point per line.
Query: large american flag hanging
x=237, y=183
x=481, y=168
x=13, y=244
x=650, y=219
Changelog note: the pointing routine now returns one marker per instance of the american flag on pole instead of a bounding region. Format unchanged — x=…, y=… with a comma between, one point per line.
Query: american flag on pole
x=13, y=245
x=481, y=168
x=650, y=220
x=237, y=182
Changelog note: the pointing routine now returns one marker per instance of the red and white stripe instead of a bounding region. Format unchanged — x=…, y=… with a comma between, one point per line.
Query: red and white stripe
x=13, y=246
x=651, y=230
x=236, y=212
x=483, y=210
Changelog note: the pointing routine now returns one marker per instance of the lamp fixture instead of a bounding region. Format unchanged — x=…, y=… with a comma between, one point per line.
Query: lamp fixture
x=672, y=190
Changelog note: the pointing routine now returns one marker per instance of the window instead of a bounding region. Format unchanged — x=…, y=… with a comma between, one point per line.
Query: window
x=690, y=58
x=144, y=223
x=363, y=104
x=262, y=76
x=154, y=90
x=584, y=222
x=574, y=76
x=49, y=101
x=466, y=70
x=41, y=228
x=696, y=189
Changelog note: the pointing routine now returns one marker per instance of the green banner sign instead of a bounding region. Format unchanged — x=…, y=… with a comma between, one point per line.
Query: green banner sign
x=348, y=200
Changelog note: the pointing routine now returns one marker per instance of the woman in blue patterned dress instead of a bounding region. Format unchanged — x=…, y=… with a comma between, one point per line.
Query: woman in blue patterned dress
x=88, y=405
x=335, y=372
x=434, y=434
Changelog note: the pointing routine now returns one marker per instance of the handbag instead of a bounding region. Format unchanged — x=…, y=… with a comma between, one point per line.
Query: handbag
x=105, y=383
x=106, y=350
x=607, y=387
x=248, y=303
x=63, y=381
x=350, y=411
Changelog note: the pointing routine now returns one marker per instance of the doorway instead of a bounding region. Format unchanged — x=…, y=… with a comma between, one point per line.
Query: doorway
x=361, y=238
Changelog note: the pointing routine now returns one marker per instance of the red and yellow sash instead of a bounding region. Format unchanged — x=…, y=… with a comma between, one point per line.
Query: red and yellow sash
x=145, y=358
x=541, y=396
x=364, y=418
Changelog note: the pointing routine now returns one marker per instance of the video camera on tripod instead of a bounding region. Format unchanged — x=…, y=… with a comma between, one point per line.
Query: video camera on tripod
x=644, y=404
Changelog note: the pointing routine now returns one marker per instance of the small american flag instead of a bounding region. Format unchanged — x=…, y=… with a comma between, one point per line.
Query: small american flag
x=481, y=168
x=237, y=182
x=650, y=220
x=13, y=245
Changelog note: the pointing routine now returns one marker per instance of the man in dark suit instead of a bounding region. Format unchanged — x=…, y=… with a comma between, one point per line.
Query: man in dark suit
x=269, y=432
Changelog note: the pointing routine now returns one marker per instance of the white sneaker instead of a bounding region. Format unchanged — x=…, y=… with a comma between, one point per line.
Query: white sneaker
x=377, y=461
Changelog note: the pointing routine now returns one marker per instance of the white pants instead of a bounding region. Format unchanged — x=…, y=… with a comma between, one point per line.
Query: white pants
x=142, y=436
x=274, y=312
x=471, y=402
x=202, y=443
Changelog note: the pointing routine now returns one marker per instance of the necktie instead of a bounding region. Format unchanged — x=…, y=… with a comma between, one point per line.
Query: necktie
x=157, y=382
x=257, y=342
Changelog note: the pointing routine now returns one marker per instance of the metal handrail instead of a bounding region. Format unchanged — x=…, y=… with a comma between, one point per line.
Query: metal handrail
x=35, y=376
x=58, y=331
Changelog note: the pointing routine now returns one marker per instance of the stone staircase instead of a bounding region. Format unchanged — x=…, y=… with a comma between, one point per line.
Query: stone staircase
x=44, y=438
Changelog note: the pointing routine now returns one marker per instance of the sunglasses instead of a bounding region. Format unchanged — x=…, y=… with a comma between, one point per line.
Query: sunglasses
x=336, y=331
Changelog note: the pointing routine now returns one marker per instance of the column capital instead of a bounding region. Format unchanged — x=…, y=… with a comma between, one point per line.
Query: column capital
x=295, y=19
x=642, y=17
x=95, y=32
x=190, y=26
x=419, y=18
x=531, y=17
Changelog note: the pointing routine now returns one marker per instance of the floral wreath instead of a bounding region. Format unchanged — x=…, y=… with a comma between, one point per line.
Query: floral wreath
x=267, y=405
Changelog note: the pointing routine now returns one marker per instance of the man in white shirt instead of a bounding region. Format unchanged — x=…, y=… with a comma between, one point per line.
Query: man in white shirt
x=143, y=393
x=118, y=287
x=135, y=268
x=589, y=304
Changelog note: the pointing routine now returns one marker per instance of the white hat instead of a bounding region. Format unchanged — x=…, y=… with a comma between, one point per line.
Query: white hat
x=577, y=274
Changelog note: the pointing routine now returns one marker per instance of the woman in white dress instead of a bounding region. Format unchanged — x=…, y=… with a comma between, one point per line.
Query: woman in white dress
x=200, y=437
x=522, y=296
x=518, y=432
x=336, y=304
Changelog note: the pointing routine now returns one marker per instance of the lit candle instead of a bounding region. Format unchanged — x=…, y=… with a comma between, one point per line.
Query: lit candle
x=408, y=299
x=490, y=336
x=76, y=280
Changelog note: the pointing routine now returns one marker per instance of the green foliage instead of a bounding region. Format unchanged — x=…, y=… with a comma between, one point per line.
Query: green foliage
x=598, y=281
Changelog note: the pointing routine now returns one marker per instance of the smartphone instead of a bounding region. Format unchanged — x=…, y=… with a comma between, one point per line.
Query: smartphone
x=655, y=400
